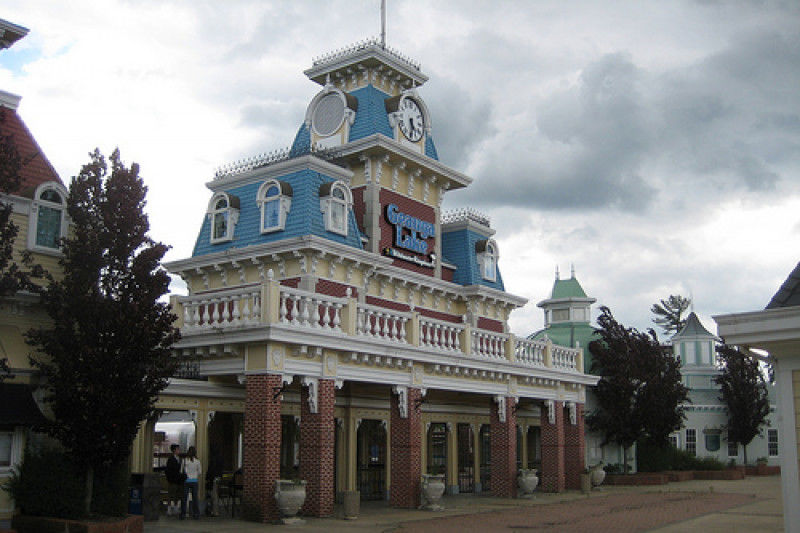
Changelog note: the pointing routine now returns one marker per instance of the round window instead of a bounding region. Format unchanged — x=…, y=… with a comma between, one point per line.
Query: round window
x=328, y=114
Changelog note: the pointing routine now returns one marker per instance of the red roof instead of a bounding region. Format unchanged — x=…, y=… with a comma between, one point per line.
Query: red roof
x=38, y=169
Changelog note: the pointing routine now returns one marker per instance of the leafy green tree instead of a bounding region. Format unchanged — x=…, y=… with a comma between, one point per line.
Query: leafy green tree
x=669, y=313
x=640, y=395
x=107, y=355
x=744, y=392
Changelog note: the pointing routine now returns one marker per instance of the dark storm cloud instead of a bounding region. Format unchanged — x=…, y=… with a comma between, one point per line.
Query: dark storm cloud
x=624, y=137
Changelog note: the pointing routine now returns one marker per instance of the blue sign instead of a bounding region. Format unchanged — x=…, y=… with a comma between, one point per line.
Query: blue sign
x=409, y=232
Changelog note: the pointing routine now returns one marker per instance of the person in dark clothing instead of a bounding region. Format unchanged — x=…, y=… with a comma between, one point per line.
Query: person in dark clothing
x=174, y=478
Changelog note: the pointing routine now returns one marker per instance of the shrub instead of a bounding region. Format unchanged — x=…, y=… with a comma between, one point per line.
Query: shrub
x=48, y=483
x=615, y=468
x=708, y=463
x=652, y=458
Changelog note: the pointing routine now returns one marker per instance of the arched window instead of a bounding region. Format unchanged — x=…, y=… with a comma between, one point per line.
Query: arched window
x=48, y=217
x=223, y=212
x=487, y=259
x=335, y=201
x=275, y=199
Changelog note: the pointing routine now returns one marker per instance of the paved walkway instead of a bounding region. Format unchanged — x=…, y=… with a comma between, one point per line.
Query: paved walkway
x=752, y=504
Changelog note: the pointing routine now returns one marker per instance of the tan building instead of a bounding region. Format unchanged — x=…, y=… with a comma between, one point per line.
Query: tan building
x=776, y=330
x=39, y=212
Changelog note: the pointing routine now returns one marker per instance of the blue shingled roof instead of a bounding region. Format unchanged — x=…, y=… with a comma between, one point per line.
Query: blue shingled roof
x=304, y=218
x=459, y=248
x=371, y=118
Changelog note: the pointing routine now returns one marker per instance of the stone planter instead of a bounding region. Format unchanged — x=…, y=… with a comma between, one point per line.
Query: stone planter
x=290, y=496
x=352, y=504
x=527, y=481
x=432, y=489
x=597, y=475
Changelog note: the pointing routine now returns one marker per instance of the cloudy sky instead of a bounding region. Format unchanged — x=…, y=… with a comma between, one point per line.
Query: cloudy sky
x=655, y=145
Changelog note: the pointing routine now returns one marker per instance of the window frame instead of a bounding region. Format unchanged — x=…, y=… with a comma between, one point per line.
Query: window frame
x=691, y=443
x=773, y=442
x=735, y=445
x=230, y=211
x=490, y=256
x=33, y=217
x=283, y=201
x=17, y=446
x=329, y=202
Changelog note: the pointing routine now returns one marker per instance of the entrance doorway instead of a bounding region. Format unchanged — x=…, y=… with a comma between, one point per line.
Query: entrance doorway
x=437, y=449
x=534, y=447
x=486, y=458
x=290, y=447
x=371, y=459
x=466, y=458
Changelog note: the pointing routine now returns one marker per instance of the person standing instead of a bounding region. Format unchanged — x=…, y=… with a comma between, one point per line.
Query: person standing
x=174, y=479
x=193, y=470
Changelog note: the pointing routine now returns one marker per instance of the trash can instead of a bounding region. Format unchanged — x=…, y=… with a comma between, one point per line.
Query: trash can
x=135, y=494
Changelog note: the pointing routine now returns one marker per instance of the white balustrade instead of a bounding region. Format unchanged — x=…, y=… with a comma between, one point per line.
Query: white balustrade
x=310, y=310
x=223, y=309
x=382, y=323
x=488, y=344
x=565, y=357
x=440, y=335
x=528, y=352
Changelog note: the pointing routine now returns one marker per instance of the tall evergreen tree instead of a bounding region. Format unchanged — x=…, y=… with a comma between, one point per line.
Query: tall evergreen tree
x=669, y=313
x=744, y=392
x=107, y=355
x=640, y=393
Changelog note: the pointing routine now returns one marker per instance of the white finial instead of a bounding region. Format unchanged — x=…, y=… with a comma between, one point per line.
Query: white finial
x=383, y=23
x=572, y=270
x=557, y=277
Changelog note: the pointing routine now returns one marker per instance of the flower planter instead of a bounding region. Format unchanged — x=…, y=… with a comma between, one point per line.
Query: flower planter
x=352, y=504
x=586, y=483
x=432, y=490
x=527, y=481
x=290, y=496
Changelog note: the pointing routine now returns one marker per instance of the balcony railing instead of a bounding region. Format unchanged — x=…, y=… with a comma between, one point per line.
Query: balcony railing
x=271, y=303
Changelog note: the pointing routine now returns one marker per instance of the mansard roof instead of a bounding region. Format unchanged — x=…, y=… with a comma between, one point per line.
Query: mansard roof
x=693, y=328
x=459, y=248
x=36, y=168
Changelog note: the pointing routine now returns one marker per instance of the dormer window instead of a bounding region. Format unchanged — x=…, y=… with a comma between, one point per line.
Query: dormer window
x=487, y=259
x=223, y=212
x=560, y=315
x=335, y=200
x=275, y=199
x=48, y=218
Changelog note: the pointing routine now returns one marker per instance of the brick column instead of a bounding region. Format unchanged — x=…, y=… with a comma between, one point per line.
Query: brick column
x=317, y=433
x=503, y=435
x=574, y=448
x=553, y=479
x=405, y=442
x=262, y=447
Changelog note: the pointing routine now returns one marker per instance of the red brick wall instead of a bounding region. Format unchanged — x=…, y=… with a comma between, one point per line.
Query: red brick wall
x=317, y=432
x=574, y=448
x=553, y=479
x=447, y=273
x=290, y=282
x=388, y=304
x=262, y=447
x=405, y=441
x=503, y=445
x=397, y=306
x=415, y=209
x=333, y=288
x=438, y=315
x=490, y=325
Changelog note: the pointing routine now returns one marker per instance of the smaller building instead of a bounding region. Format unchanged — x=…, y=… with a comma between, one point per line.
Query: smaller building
x=703, y=433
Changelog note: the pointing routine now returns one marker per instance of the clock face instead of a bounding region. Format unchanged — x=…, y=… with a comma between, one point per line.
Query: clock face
x=411, y=122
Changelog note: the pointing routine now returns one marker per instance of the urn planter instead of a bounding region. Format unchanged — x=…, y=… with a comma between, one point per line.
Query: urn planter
x=586, y=483
x=352, y=504
x=527, y=481
x=597, y=475
x=432, y=490
x=290, y=496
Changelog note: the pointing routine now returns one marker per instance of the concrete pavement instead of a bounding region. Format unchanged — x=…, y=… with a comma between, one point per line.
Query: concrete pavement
x=752, y=504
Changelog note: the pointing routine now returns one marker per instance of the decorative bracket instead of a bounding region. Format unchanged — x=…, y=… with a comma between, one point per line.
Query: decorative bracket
x=551, y=411
x=313, y=389
x=402, y=400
